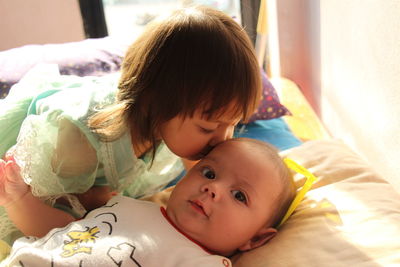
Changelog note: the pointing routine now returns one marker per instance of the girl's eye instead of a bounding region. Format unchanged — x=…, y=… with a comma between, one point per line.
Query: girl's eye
x=205, y=130
x=208, y=173
x=239, y=195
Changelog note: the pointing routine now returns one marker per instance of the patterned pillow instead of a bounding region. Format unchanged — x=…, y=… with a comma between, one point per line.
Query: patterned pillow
x=90, y=57
x=270, y=107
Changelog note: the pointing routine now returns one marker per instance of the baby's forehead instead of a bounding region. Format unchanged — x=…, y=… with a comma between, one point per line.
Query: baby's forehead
x=225, y=152
x=232, y=148
x=247, y=156
x=233, y=144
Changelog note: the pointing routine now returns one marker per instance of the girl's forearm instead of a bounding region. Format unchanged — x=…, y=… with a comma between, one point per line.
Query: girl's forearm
x=34, y=218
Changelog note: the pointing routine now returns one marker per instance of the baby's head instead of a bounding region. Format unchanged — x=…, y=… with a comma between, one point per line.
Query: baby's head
x=234, y=197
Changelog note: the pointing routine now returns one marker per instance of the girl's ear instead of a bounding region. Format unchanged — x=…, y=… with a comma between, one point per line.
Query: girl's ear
x=259, y=239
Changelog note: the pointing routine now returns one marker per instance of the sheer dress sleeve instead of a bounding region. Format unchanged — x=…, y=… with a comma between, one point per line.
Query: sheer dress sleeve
x=60, y=156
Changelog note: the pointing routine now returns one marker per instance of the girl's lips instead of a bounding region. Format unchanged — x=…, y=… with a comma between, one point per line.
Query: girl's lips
x=196, y=157
x=197, y=206
x=202, y=154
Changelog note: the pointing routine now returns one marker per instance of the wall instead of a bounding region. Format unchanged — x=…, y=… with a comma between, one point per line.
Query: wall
x=345, y=55
x=299, y=29
x=39, y=22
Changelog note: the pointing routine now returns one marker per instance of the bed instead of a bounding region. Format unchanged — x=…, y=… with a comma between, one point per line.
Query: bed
x=351, y=215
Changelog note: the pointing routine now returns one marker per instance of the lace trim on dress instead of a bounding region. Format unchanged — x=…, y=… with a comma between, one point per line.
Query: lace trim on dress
x=29, y=161
x=46, y=184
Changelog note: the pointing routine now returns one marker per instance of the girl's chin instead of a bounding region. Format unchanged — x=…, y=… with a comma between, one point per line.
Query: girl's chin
x=196, y=157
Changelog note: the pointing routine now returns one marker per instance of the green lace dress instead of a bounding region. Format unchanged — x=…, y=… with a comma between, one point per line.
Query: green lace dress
x=43, y=123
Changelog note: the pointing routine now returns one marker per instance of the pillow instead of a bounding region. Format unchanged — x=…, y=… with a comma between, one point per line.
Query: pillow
x=90, y=57
x=349, y=218
x=270, y=107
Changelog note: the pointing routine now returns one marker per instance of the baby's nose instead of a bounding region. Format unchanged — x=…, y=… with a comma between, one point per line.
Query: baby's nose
x=211, y=189
x=210, y=192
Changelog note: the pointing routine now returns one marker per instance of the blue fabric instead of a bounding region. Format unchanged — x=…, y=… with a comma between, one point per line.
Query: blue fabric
x=275, y=132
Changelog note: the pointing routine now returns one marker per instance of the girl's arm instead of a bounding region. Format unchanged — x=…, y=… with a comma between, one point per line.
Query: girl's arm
x=34, y=218
x=30, y=215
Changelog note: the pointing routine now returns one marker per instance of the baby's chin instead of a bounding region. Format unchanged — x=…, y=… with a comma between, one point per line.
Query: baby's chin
x=204, y=241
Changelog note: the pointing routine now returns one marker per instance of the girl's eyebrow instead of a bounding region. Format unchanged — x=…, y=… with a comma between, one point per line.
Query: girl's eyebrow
x=210, y=120
x=223, y=122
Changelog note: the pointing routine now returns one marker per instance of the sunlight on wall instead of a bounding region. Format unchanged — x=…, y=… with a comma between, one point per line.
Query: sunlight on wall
x=267, y=42
x=273, y=40
x=360, y=79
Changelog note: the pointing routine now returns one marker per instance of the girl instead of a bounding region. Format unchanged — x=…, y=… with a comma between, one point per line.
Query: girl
x=184, y=85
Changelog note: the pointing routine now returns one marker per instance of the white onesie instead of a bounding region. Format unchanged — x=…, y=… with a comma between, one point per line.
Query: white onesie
x=125, y=232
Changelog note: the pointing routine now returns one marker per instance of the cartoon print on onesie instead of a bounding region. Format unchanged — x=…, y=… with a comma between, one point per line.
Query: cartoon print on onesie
x=78, y=238
x=126, y=232
x=78, y=243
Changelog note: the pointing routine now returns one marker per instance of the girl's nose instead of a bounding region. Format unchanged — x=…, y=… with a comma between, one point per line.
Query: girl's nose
x=222, y=135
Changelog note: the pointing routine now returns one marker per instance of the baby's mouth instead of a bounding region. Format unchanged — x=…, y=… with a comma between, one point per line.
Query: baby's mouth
x=197, y=205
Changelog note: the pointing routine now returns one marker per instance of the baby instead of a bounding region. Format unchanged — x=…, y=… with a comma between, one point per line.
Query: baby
x=232, y=200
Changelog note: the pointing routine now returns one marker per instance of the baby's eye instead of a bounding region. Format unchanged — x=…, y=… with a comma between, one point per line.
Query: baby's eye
x=208, y=173
x=239, y=195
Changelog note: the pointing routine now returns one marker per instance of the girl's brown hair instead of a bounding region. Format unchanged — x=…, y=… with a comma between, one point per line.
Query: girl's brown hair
x=195, y=58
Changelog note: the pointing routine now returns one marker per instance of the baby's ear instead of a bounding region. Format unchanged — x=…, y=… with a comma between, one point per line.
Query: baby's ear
x=260, y=238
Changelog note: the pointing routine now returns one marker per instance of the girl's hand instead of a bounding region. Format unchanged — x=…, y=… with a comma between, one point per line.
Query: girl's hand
x=12, y=186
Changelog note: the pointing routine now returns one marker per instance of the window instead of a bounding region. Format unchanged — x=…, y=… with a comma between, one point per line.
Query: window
x=130, y=16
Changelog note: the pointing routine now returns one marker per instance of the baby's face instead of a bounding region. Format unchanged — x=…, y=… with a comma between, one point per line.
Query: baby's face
x=227, y=198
